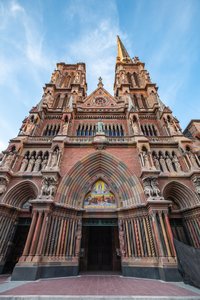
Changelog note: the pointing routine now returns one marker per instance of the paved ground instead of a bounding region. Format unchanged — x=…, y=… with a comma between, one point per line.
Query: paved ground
x=96, y=285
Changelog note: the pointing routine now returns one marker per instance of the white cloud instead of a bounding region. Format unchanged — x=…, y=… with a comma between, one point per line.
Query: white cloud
x=96, y=43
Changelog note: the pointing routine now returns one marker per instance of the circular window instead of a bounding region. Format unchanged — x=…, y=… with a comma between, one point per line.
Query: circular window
x=100, y=101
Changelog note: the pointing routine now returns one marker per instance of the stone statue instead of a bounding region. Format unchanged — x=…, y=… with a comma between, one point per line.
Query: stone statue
x=54, y=159
x=100, y=127
x=176, y=163
x=146, y=160
x=151, y=187
x=3, y=185
x=24, y=164
x=65, y=126
x=7, y=163
x=48, y=187
x=44, y=163
x=156, y=162
x=154, y=184
x=147, y=187
x=37, y=164
x=48, y=98
x=28, y=125
x=169, y=163
x=163, y=164
x=193, y=160
x=135, y=126
x=77, y=78
x=30, y=164
x=196, y=181
x=123, y=77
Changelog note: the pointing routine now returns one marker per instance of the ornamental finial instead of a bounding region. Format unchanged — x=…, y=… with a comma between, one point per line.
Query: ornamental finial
x=100, y=83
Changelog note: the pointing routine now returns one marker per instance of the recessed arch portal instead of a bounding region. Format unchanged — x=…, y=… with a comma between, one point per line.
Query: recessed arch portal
x=20, y=193
x=180, y=194
x=120, y=179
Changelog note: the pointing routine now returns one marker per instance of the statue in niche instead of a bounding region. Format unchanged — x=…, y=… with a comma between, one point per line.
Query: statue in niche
x=65, y=126
x=196, y=181
x=176, y=163
x=163, y=164
x=152, y=98
x=145, y=158
x=24, y=164
x=3, y=185
x=54, y=77
x=7, y=163
x=48, y=189
x=48, y=98
x=135, y=127
x=193, y=160
x=77, y=78
x=123, y=77
x=54, y=159
x=100, y=127
x=37, y=164
x=28, y=126
x=31, y=164
x=121, y=238
x=117, y=79
x=44, y=163
x=156, y=162
x=169, y=163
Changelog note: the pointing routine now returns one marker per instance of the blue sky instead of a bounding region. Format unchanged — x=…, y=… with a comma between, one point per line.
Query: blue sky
x=35, y=35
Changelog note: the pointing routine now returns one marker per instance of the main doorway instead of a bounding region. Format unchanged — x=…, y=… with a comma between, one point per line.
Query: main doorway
x=100, y=247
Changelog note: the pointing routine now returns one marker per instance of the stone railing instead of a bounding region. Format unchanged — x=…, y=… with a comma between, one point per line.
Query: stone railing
x=37, y=139
x=90, y=140
x=161, y=139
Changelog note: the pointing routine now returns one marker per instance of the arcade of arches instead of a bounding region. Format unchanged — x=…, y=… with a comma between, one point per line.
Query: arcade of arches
x=99, y=182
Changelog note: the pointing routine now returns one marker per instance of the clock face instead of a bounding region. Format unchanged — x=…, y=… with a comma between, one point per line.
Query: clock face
x=100, y=101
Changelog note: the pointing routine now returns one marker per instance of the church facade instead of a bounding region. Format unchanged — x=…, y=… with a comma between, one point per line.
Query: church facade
x=99, y=182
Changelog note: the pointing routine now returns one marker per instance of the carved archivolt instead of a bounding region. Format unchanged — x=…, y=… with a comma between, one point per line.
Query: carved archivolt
x=126, y=185
x=181, y=194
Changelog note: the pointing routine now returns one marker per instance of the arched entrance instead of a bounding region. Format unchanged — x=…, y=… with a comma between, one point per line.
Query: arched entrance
x=100, y=185
x=14, y=241
x=183, y=202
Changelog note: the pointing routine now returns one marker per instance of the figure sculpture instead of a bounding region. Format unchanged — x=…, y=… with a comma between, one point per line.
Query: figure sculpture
x=48, y=187
x=24, y=164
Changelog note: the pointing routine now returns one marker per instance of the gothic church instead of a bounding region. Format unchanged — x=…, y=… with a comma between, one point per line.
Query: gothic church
x=99, y=182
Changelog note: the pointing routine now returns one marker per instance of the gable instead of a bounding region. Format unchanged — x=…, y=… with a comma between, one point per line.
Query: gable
x=100, y=98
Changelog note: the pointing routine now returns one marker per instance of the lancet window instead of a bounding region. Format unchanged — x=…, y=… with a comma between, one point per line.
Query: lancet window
x=109, y=129
x=149, y=130
x=51, y=130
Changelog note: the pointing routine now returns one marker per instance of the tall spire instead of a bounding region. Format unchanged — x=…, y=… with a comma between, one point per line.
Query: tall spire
x=122, y=54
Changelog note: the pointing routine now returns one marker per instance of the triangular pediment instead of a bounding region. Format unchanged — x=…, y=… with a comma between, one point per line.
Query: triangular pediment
x=100, y=98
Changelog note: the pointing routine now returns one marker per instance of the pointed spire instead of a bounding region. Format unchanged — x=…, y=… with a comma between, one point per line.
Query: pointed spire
x=122, y=54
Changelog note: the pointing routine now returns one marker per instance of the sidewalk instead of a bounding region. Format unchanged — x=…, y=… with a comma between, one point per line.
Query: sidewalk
x=96, y=287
